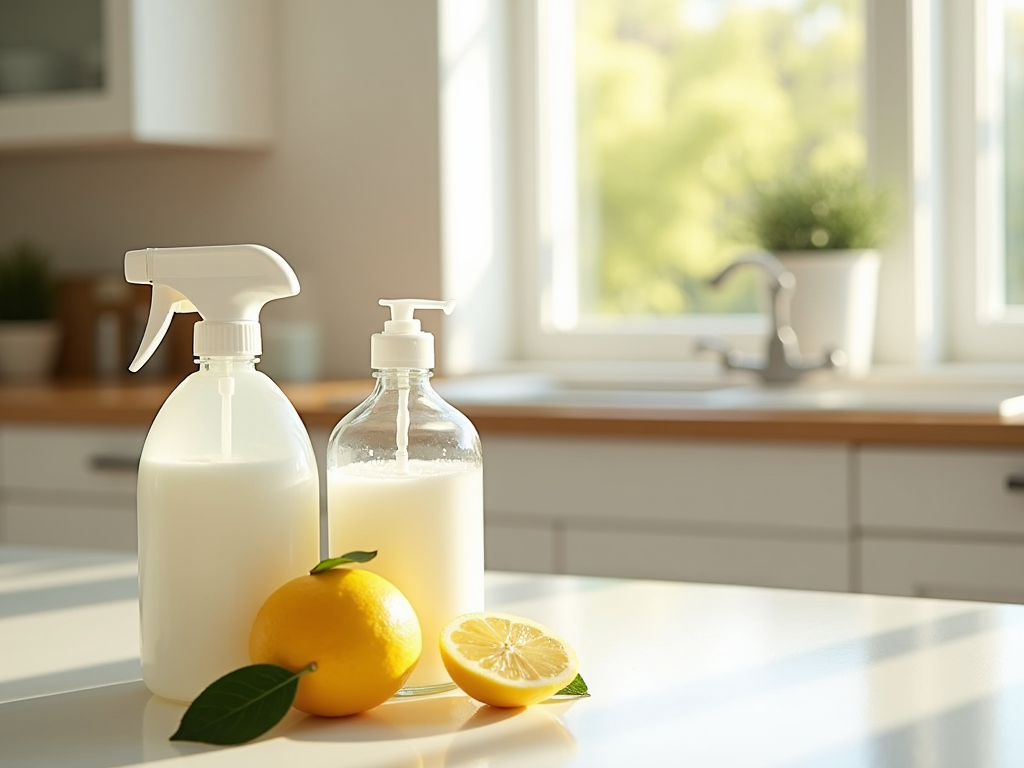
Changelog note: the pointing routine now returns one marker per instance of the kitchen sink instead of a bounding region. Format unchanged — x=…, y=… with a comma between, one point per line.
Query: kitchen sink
x=543, y=389
x=825, y=392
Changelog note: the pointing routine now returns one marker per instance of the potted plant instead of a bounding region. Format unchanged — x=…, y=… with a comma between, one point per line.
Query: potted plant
x=825, y=228
x=29, y=334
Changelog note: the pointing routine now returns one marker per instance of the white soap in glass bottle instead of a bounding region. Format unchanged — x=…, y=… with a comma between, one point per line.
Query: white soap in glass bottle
x=405, y=478
x=228, y=492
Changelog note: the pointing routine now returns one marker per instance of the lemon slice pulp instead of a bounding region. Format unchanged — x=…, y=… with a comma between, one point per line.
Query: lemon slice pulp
x=506, y=661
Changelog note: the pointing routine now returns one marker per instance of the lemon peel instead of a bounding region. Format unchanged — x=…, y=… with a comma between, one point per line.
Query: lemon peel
x=357, y=627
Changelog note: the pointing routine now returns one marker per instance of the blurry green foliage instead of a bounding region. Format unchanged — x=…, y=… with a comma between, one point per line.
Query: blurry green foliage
x=829, y=210
x=27, y=288
x=684, y=106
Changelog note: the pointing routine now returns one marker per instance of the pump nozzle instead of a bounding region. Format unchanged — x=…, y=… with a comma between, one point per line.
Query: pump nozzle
x=403, y=344
x=226, y=284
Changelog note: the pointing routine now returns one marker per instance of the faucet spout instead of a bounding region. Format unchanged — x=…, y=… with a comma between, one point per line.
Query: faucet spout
x=777, y=274
x=782, y=361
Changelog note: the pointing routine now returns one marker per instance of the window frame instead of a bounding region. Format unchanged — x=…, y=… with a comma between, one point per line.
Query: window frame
x=982, y=326
x=922, y=130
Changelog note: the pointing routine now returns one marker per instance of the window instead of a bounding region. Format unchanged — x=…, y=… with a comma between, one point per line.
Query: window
x=1001, y=116
x=656, y=121
x=982, y=88
x=1008, y=18
x=643, y=124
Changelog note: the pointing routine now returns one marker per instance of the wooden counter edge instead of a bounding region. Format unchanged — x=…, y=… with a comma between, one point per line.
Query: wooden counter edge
x=322, y=405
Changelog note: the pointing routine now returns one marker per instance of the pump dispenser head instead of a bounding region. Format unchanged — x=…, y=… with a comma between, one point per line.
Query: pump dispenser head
x=403, y=344
x=226, y=284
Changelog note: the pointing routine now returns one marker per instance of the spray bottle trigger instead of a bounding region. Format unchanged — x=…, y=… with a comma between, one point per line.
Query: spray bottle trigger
x=166, y=301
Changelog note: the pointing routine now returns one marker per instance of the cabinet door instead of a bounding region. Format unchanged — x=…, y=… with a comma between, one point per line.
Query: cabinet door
x=512, y=544
x=162, y=72
x=941, y=489
x=101, y=526
x=726, y=485
x=948, y=569
x=763, y=561
x=739, y=513
x=70, y=486
x=71, y=459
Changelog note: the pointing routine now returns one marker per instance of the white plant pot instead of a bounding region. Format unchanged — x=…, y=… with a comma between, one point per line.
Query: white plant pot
x=28, y=349
x=834, y=303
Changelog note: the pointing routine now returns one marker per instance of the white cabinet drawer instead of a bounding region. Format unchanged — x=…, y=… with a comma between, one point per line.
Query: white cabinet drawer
x=955, y=570
x=84, y=459
x=726, y=484
x=941, y=489
x=511, y=545
x=100, y=526
x=768, y=562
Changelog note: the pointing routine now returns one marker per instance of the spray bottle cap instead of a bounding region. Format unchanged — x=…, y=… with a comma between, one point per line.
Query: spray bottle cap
x=403, y=344
x=226, y=284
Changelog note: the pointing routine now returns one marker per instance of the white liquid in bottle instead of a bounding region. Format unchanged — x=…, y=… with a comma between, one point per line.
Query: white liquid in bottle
x=216, y=539
x=427, y=525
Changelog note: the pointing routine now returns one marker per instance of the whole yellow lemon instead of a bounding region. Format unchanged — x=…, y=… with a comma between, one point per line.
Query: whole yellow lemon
x=357, y=627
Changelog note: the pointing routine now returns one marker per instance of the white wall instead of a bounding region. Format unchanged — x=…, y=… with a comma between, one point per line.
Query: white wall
x=349, y=195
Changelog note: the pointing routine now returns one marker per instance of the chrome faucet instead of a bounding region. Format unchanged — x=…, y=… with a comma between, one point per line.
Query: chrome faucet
x=782, y=361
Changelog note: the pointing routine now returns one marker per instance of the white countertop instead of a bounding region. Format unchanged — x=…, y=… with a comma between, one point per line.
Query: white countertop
x=681, y=674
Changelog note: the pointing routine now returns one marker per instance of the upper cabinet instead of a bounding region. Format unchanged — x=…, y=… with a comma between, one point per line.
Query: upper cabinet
x=86, y=73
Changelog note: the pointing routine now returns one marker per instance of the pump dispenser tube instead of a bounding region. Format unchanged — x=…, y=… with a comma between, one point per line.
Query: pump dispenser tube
x=402, y=432
x=226, y=387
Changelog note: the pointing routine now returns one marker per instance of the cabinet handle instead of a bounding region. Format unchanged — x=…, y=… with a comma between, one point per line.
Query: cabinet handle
x=1015, y=482
x=113, y=463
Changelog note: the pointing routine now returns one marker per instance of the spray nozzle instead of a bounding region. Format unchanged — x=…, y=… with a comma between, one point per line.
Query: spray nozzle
x=403, y=344
x=226, y=284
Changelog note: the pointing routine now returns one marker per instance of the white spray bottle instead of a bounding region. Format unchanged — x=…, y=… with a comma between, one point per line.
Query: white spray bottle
x=405, y=478
x=228, y=495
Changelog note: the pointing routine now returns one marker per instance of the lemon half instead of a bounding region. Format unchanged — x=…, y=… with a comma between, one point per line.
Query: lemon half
x=506, y=661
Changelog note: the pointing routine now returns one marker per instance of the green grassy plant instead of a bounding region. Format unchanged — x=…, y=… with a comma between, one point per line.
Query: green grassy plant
x=819, y=212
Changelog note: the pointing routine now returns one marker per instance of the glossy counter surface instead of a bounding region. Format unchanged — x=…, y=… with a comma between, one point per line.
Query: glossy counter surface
x=680, y=674
x=671, y=415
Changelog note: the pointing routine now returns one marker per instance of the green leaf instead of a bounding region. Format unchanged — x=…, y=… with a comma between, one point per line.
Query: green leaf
x=576, y=688
x=241, y=705
x=350, y=557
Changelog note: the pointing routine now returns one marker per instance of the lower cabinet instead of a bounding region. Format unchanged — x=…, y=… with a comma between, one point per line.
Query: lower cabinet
x=959, y=570
x=512, y=544
x=968, y=492
x=111, y=525
x=942, y=522
x=931, y=522
x=767, y=561
x=924, y=521
x=69, y=486
x=740, y=513
x=76, y=486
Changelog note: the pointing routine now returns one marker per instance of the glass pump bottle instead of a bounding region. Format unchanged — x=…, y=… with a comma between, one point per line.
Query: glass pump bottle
x=405, y=478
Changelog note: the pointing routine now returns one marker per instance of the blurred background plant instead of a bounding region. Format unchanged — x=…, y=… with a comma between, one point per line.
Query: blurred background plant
x=820, y=211
x=27, y=285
